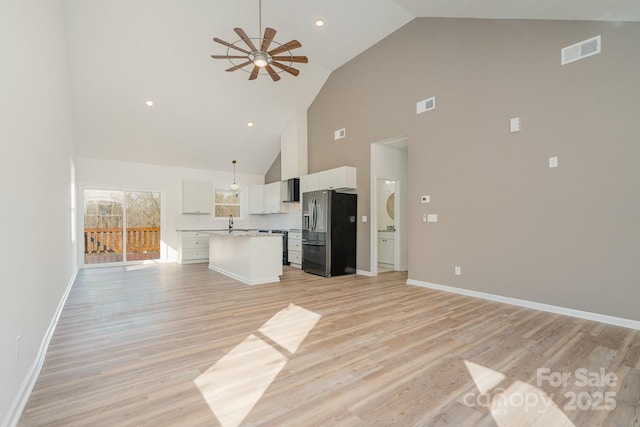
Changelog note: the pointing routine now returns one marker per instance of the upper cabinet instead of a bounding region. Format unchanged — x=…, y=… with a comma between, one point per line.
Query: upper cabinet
x=197, y=197
x=266, y=199
x=256, y=199
x=342, y=178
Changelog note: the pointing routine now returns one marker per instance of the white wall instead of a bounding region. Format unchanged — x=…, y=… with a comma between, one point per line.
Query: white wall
x=36, y=154
x=168, y=180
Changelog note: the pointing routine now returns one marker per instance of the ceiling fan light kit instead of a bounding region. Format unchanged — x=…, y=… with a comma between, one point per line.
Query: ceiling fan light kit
x=261, y=57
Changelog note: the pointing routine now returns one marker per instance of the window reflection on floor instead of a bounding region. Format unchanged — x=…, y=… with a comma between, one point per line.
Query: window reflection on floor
x=236, y=382
x=513, y=405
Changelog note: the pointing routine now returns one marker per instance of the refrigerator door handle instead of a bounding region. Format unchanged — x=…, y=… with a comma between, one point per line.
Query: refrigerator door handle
x=313, y=214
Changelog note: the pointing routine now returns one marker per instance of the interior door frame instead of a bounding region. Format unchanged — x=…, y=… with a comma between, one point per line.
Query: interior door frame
x=80, y=222
x=401, y=250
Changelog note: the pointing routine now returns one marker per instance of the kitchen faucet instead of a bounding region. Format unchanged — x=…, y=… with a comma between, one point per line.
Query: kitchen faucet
x=230, y=223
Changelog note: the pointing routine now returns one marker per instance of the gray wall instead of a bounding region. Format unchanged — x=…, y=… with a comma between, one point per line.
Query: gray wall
x=36, y=152
x=274, y=174
x=567, y=236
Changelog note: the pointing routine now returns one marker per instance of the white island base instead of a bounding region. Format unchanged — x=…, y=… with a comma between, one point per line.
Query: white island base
x=251, y=258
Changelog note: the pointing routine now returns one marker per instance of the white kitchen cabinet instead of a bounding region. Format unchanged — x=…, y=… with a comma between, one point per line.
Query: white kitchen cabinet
x=267, y=199
x=197, y=197
x=309, y=182
x=272, y=198
x=193, y=247
x=294, y=246
x=386, y=248
x=256, y=199
x=342, y=178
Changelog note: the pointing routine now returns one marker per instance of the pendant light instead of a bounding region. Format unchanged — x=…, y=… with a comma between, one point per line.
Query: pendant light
x=234, y=186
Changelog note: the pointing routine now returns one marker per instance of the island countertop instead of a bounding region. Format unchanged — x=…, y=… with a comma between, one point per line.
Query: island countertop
x=246, y=255
x=242, y=233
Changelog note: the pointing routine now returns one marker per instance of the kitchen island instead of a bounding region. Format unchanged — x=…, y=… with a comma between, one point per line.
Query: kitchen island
x=251, y=257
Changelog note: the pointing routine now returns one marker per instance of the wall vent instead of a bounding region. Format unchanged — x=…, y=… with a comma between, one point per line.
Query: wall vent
x=425, y=105
x=339, y=134
x=580, y=50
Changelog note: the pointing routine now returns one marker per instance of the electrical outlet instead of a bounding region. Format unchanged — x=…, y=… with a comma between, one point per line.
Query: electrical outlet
x=458, y=270
x=18, y=347
x=424, y=217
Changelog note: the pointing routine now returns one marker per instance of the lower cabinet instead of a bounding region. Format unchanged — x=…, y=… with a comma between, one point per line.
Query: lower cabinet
x=294, y=244
x=386, y=248
x=193, y=247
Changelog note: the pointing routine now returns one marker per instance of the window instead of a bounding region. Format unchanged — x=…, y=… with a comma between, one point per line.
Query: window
x=227, y=203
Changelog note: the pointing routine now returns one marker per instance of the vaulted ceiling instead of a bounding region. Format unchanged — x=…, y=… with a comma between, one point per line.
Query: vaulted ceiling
x=125, y=52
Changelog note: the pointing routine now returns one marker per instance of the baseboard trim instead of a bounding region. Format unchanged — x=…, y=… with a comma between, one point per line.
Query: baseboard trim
x=29, y=382
x=596, y=317
x=365, y=273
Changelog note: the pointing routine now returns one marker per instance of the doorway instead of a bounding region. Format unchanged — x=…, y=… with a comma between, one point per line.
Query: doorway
x=389, y=231
x=121, y=226
x=386, y=223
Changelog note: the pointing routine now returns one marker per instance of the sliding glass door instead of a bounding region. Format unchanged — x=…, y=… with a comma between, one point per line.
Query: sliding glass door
x=121, y=226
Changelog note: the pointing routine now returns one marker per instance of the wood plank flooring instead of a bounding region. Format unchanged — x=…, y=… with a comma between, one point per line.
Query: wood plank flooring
x=134, y=344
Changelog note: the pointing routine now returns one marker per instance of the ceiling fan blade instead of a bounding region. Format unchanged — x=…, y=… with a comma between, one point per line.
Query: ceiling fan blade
x=269, y=34
x=302, y=59
x=274, y=75
x=286, y=68
x=222, y=42
x=245, y=38
x=237, y=67
x=254, y=73
x=293, y=44
x=228, y=57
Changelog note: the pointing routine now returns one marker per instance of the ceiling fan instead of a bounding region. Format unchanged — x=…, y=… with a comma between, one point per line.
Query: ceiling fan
x=260, y=56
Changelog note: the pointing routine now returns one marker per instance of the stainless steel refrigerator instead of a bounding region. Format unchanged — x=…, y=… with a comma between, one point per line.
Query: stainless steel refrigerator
x=329, y=233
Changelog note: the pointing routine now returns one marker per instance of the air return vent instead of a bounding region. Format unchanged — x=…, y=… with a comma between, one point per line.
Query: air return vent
x=339, y=134
x=425, y=105
x=580, y=50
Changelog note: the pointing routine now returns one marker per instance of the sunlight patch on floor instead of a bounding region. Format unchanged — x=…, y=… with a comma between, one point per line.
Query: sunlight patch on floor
x=484, y=378
x=289, y=327
x=236, y=382
x=519, y=405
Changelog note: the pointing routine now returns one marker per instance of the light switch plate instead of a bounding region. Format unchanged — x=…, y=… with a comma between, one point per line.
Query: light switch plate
x=553, y=162
x=364, y=218
x=424, y=217
x=432, y=218
x=515, y=124
x=425, y=199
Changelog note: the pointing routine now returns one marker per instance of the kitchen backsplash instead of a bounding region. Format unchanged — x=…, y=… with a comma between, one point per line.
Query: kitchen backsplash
x=283, y=221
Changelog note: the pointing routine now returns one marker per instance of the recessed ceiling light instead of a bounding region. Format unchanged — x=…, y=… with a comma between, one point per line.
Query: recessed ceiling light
x=319, y=23
x=149, y=103
x=250, y=124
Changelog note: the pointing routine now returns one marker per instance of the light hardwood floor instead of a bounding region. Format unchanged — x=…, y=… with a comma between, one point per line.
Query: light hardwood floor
x=135, y=345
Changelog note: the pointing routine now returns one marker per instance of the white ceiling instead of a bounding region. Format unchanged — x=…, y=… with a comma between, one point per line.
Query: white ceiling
x=123, y=52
